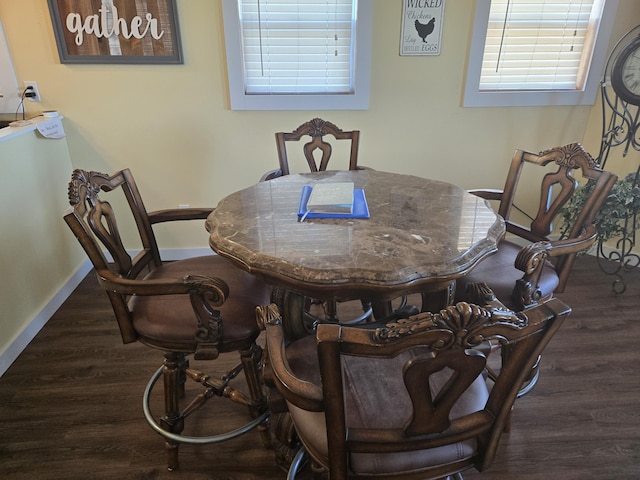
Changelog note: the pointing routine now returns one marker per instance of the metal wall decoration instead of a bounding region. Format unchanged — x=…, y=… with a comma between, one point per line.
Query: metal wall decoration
x=620, y=128
x=116, y=31
x=421, y=32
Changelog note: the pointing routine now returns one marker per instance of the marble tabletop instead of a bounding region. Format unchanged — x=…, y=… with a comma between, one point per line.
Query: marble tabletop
x=421, y=234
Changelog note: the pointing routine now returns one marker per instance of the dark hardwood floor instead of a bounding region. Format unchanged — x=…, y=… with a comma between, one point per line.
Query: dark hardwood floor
x=70, y=406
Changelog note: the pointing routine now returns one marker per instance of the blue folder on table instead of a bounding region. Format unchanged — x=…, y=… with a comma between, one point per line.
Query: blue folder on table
x=360, y=207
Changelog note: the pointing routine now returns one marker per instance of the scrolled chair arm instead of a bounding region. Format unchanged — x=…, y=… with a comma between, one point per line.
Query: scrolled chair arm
x=487, y=193
x=530, y=260
x=527, y=291
x=177, y=214
x=587, y=237
x=300, y=392
x=271, y=174
x=213, y=288
x=205, y=294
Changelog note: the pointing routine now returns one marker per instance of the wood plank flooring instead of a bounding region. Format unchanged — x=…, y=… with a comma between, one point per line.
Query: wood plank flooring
x=70, y=406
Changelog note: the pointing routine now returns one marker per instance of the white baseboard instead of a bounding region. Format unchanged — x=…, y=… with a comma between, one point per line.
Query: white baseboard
x=11, y=353
x=34, y=326
x=170, y=254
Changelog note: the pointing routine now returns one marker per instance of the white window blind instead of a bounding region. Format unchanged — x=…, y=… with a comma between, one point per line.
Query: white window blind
x=539, y=44
x=298, y=46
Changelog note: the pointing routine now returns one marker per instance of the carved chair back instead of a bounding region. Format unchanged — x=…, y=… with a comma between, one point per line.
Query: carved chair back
x=93, y=222
x=316, y=129
x=397, y=397
x=566, y=167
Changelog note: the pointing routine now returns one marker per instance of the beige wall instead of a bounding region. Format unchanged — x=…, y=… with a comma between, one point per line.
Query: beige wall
x=37, y=258
x=172, y=124
x=173, y=127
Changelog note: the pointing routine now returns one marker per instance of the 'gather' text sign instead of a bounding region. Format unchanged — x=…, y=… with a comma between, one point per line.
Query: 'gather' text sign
x=116, y=31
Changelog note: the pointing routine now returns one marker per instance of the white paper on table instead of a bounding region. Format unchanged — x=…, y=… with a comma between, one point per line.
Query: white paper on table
x=51, y=128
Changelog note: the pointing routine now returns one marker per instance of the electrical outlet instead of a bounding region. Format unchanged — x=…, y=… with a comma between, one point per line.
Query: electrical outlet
x=34, y=86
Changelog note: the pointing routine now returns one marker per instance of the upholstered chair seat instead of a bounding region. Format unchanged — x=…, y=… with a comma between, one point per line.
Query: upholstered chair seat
x=500, y=271
x=170, y=318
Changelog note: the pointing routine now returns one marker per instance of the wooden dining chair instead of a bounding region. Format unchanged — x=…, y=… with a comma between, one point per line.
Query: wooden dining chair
x=534, y=260
x=522, y=276
x=406, y=399
x=317, y=150
x=200, y=307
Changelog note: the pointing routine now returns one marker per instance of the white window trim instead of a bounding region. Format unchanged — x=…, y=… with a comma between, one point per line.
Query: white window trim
x=358, y=100
x=473, y=97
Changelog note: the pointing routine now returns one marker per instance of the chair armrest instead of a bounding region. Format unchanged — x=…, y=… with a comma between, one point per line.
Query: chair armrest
x=577, y=244
x=170, y=215
x=487, y=194
x=558, y=248
x=304, y=394
x=480, y=293
x=214, y=289
x=531, y=259
x=526, y=292
x=271, y=174
x=205, y=293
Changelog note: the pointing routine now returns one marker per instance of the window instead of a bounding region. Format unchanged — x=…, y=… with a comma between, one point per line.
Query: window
x=538, y=52
x=298, y=54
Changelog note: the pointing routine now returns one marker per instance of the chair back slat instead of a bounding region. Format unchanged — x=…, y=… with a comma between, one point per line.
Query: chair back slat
x=317, y=129
x=93, y=221
x=431, y=413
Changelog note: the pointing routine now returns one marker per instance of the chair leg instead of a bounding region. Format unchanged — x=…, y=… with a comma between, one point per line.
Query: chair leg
x=182, y=378
x=172, y=420
x=532, y=379
x=285, y=441
x=251, y=360
x=332, y=311
x=507, y=421
x=435, y=300
x=527, y=385
x=318, y=472
x=171, y=424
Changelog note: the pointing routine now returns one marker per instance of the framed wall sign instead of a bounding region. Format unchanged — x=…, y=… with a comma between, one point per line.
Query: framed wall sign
x=116, y=31
x=421, y=27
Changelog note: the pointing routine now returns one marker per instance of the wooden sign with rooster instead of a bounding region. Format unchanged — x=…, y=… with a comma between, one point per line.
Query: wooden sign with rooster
x=421, y=27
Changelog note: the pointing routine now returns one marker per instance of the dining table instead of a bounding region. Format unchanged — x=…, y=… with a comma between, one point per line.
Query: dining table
x=421, y=235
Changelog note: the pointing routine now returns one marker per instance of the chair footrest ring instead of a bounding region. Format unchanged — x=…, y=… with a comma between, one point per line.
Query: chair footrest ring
x=222, y=437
